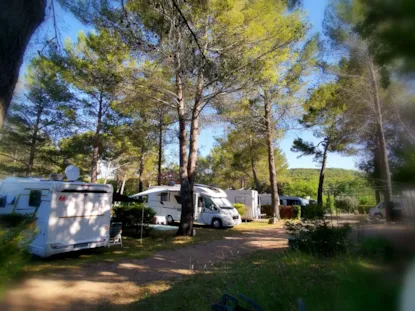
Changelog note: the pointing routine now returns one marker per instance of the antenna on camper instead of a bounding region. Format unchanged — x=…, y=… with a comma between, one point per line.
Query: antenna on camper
x=72, y=172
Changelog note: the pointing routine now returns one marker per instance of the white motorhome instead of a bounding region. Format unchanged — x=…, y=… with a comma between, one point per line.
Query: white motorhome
x=211, y=205
x=70, y=215
x=250, y=199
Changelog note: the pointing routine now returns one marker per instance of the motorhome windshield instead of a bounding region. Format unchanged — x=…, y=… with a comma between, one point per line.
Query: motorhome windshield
x=222, y=203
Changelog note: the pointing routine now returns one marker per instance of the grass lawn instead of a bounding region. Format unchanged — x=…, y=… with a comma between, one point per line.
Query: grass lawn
x=134, y=249
x=276, y=281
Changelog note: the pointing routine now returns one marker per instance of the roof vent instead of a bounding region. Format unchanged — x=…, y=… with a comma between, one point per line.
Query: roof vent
x=172, y=183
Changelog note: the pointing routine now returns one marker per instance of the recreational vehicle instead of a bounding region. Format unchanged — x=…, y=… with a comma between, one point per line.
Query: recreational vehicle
x=211, y=205
x=265, y=199
x=70, y=215
x=250, y=199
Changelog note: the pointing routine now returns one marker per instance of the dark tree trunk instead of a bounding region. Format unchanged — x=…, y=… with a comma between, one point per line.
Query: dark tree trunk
x=377, y=195
x=97, y=143
x=383, y=154
x=322, y=174
x=160, y=154
x=271, y=159
x=33, y=142
x=186, y=193
x=253, y=166
x=18, y=20
x=140, y=172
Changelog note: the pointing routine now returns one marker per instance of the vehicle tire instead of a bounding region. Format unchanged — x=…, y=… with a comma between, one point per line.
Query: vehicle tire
x=216, y=223
x=378, y=216
x=169, y=220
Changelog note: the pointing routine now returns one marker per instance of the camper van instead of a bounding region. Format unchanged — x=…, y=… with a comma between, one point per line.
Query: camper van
x=211, y=205
x=70, y=215
x=250, y=199
x=265, y=199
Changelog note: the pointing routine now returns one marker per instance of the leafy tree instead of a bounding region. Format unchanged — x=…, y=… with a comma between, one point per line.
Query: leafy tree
x=231, y=161
x=362, y=82
x=389, y=27
x=94, y=68
x=18, y=20
x=41, y=115
x=324, y=110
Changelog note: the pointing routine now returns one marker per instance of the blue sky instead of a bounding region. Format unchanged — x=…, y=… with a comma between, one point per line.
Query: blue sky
x=69, y=27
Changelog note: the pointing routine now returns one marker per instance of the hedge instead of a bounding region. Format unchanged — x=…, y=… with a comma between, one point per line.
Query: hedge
x=286, y=212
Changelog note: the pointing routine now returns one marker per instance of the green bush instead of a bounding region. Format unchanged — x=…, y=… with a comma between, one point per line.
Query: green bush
x=16, y=233
x=364, y=209
x=240, y=208
x=130, y=214
x=377, y=247
x=346, y=204
x=318, y=238
x=312, y=211
x=267, y=209
x=296, y=212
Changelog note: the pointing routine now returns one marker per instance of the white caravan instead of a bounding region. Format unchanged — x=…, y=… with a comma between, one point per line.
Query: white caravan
x=211, y=205
x=70, y=215
x=250, y=199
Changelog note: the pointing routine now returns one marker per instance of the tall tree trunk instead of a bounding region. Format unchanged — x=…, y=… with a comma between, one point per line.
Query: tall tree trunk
x=187, y=213
x=124, y=179
x=33, y=142
x=141, y=172
x=97, y=142
x=384, y=167
x=106, y=173
x=253, y=166
x=322, y=174
x=18, y=20
x=271, y=159
x=160, y=155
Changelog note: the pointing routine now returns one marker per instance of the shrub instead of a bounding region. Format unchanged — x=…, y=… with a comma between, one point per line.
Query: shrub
x=240, y=208
x=312, y=211
x=364, y=209
x=130, y=214
x=318, y=238
x=267, y=209
x=16, y=233
x=346, y=204
x=377, y=247
x=296, y=212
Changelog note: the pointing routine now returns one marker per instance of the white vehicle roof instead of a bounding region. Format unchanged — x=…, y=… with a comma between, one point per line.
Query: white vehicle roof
x=57, y=185
x=202, y=189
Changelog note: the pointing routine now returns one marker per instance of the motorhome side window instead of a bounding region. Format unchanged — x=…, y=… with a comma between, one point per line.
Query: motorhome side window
x=164, y=197
x=3, y=200
x=35, y=197
x=208, y=203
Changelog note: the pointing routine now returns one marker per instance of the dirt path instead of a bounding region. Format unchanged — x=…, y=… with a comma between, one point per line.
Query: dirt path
x=100, y=285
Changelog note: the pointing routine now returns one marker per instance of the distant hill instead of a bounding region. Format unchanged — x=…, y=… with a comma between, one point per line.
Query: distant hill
x=332, y=175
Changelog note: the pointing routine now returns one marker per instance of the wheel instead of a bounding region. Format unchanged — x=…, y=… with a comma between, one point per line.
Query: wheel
x=170, y=220
x=378, y=216
x=216, y=223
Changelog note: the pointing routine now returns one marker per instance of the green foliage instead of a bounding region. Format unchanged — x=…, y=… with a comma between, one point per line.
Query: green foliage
x=240, y=208
x=364, y=209
x=318, y=238
x=342, y=279
x=377, y=247
x=388, y=26
x=346, y=204
x=267, y=209
x=296, y=212
x=130, y=214
x=16, y=233
x=313, y=211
